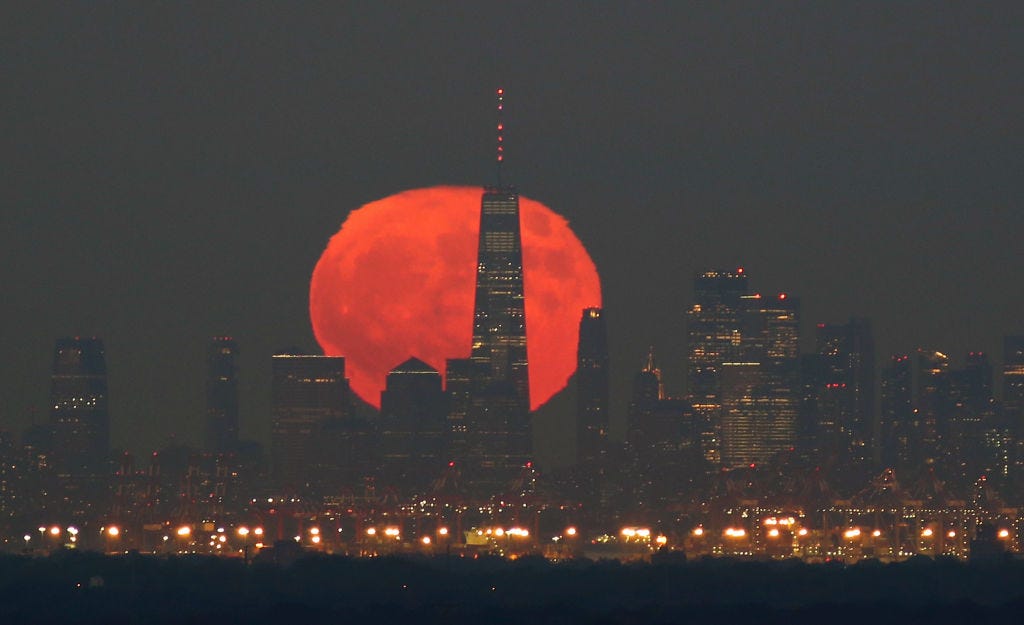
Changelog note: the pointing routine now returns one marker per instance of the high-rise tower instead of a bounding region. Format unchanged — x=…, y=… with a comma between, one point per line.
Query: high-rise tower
x=499, y=417
x=308, y=393
x=222, y=395
x=592, y=386
x=714, y=337
x=499, y=312
x=78, y=404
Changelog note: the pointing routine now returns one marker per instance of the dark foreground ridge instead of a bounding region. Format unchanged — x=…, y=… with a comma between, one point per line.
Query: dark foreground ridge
x=79, y=587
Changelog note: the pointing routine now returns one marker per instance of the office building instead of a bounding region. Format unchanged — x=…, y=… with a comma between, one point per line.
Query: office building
x=79, y=415
x=714, y=336
x=592, y=387
x=309, y=392
x=222, y=395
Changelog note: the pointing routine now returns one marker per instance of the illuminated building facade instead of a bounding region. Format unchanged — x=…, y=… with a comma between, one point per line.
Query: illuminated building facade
x=309, y=392
x=412, y=427
x=760, y=392
x=222, y=395
x=497, y=420
x=714, y=337
x=79, y=415
x=592, y=387
x=498, y=432
x=499, y=312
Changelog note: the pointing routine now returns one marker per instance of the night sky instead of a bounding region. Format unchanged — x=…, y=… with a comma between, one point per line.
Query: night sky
x=172, y=172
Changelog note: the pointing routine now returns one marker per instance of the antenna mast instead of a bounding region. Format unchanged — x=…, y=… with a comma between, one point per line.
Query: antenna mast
x=501, y=130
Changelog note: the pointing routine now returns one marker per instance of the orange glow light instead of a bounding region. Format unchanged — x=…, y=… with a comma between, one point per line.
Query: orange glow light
x=398, y=280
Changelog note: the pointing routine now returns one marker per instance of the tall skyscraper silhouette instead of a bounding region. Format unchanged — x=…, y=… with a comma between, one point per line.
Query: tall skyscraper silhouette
x=592, y=387
x=846, y=415
x=308, y=393
x=413, y=427
x=222, y=395
x=901, y=445
x=499, y=428
x=78, y=405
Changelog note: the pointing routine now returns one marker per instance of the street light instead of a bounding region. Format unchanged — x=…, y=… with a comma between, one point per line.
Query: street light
x=244, y=533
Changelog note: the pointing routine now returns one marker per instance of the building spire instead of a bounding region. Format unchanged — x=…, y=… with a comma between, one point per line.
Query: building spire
x=500, y=153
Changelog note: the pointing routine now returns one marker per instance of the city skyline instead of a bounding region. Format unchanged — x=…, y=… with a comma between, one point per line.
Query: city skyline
x=155, y=206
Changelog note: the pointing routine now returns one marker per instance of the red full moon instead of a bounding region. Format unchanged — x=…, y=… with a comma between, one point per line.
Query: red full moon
x=398, y=280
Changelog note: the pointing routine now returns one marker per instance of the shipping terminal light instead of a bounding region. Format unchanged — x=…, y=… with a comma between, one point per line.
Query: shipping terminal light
x=851, y=533
x=698, y=531
x=1004, y=533
x=735, y=532
x=184, y=530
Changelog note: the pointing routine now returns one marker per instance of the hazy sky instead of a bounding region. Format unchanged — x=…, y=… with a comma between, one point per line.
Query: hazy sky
x=173, y=171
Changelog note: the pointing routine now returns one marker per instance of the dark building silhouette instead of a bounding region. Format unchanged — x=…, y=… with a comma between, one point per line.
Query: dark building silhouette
x=309, y=393
x=714, y=337
x=973, y=423
x=1013, y=400
x=459, y=390
x=222, y=395
x=498, y=430
x=592, y=387
x=901, y=445
x=79, y=414
x=648, y=390
x=846, y=420
x=932, y=400
x=663, y=437
x=412, y=427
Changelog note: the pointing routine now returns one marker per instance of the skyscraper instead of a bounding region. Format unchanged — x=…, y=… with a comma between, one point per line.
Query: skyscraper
x=499, y=312
x=591, y=386
x=499, y=422
x=760, y=390
x=308, y=392
x=901, y=447
x=714, y=336
x=933, y=400
x=222, y=395
x=1013, y=399
x=846, y=413
x=78, y=405
x=412, y=427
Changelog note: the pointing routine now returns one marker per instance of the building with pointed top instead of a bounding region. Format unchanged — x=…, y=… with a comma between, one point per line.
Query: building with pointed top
x=412, y=427
x=498, y=435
